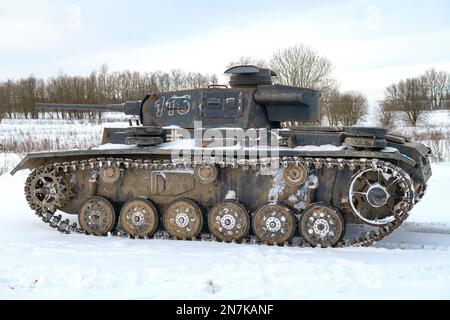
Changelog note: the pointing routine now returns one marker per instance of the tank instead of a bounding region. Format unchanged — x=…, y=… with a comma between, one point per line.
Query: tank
x=229, y=164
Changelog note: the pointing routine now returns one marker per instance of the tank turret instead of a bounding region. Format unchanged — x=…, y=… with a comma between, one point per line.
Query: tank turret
x=252, y=101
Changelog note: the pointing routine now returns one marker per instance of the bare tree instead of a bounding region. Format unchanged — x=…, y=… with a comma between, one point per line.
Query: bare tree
x=328, y=112
x=347, y=109
x=410, y=98
x=177, y=78
x=447, y=99
x=197, y=80
x=389, y=106
x=301, y=66
x=413, y=94
x=438, y=86
x=386, y=115
x=4, y=100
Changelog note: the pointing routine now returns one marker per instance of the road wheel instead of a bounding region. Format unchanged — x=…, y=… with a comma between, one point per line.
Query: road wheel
x=97, y=216
x=274, y=223
x=183, y=219
x=322, y=225
x=139, y=218
x=229, y=220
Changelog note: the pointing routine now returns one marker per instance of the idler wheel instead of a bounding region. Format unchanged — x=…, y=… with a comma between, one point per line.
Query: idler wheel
x=295, y=175
x=274, y=223
x=377, y=194
x=139, y=218
x=229, y=220
x=183, y=219
x=97, y=216
x=321, y=225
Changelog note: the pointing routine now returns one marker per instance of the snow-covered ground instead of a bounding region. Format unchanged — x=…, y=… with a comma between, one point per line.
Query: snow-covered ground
x=48, y=134
x=39, y=263
x=18, y=136
x=433, y=118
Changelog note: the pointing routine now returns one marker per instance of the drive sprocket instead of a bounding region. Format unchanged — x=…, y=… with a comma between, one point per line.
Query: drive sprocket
x=46, y=189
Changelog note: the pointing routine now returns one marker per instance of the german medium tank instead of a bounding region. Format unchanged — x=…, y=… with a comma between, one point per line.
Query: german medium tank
x=220, y=164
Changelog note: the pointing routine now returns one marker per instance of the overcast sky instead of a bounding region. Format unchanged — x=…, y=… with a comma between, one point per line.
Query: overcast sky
x=370, y=43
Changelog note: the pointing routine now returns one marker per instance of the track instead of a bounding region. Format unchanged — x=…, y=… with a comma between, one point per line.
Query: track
x=361, y=238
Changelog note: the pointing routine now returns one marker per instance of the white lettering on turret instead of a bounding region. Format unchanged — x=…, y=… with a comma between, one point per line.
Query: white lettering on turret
x=159, y=105
x=176, y=104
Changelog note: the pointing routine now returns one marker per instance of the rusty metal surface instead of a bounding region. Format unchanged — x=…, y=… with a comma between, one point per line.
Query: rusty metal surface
x=183, y=219
x=139, y=218
x=97, y=216
x=322, y=225
x=274, y=223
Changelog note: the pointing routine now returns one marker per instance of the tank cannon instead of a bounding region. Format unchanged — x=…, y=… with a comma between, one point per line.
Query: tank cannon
x=130, y=108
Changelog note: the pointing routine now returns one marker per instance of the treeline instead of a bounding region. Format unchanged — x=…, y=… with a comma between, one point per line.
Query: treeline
x=17, y=97
x=298, y=66
x=413, y=97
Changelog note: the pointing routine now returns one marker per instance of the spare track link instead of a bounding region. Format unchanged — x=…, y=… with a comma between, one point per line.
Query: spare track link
x=365, y=239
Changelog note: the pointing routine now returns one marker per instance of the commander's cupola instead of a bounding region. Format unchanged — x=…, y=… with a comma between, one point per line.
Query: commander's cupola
x=249, y=76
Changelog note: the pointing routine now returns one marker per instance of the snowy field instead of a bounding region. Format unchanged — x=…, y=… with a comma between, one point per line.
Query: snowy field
x=19, y=136
x=49, y=134
x=39, y=263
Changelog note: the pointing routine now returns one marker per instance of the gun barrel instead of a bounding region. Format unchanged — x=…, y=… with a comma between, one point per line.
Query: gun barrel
x=129, y=108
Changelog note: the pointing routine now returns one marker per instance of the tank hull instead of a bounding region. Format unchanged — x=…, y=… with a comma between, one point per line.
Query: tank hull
x=122, y=174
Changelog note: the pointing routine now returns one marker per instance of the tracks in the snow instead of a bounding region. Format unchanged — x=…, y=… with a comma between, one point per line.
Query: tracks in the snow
x=418, y=236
